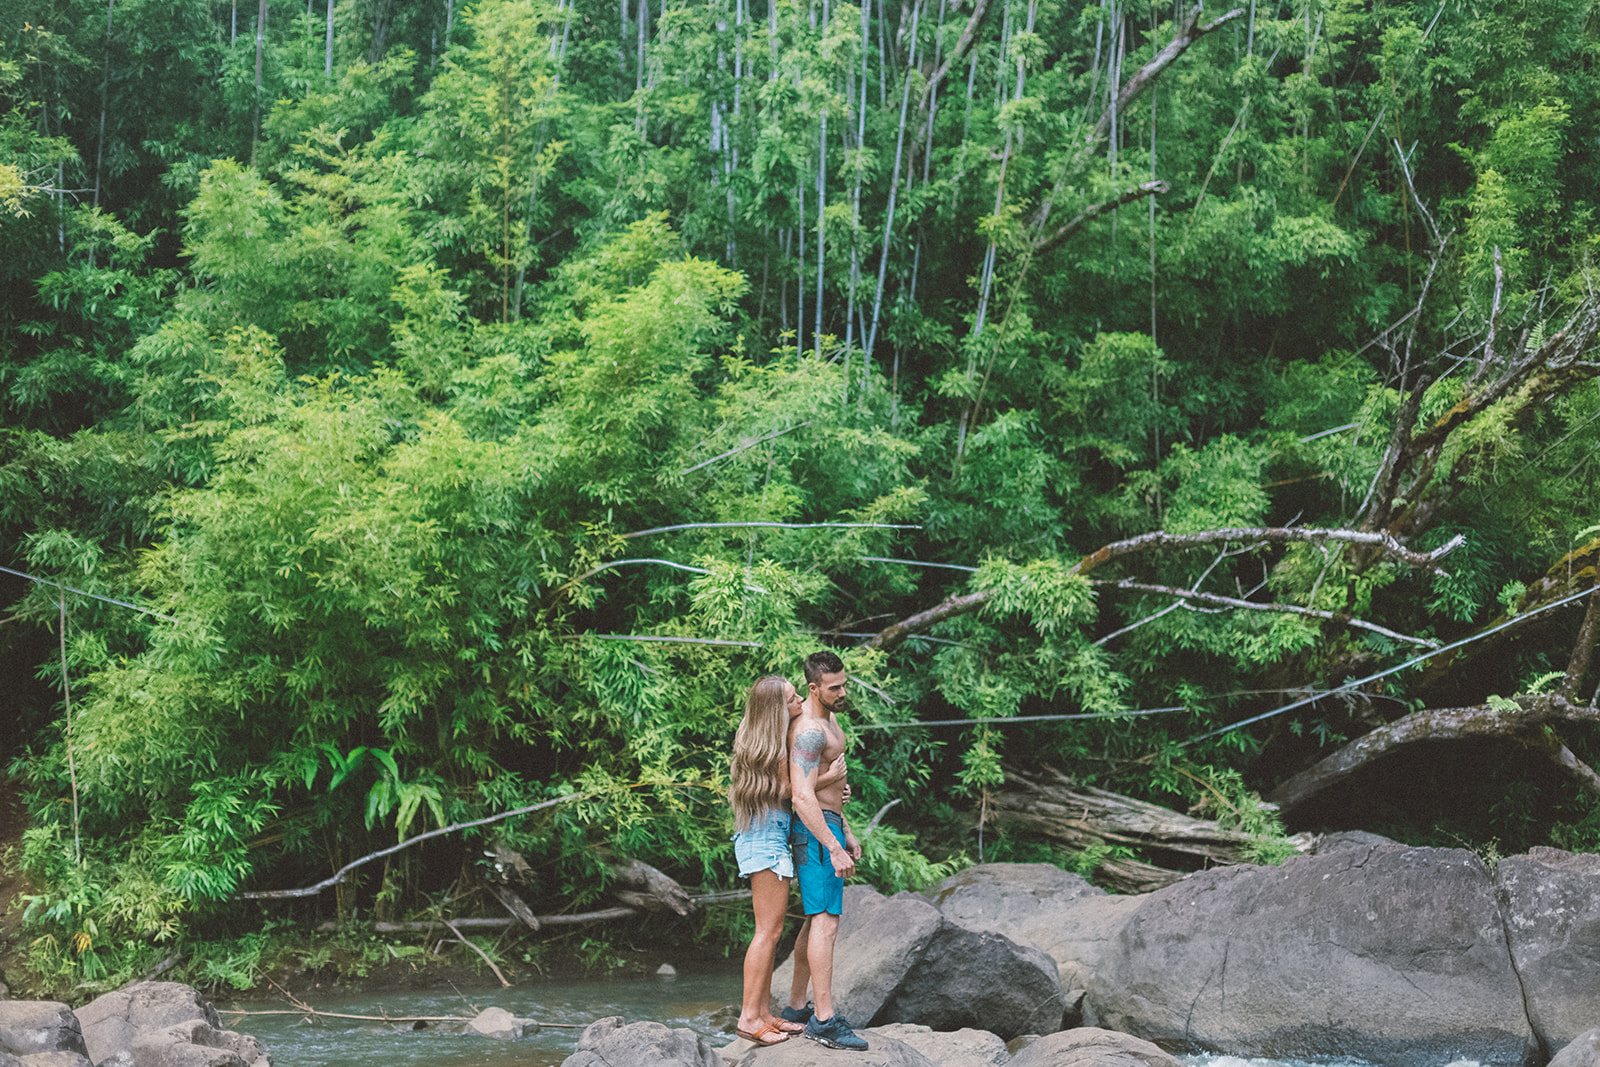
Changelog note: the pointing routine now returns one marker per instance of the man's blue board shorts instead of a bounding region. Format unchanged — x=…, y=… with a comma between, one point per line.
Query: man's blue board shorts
x=821, y=889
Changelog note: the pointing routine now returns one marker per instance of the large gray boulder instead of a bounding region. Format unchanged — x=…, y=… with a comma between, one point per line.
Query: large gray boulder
x=1092, y=1047
x=52, y=1059
x=880, y=938
x=799, y=1052
x=1581, y=1051
x=958, y=1048
x=1380, y=953
x=194, y=1043
x=111, y=1022
x=1038, y=905
x=968, y=978
x=1552, y=914
x=898, y=960
x=609, y=1043
x=28, y=1027
x=163, y=1024
x=1023, y=901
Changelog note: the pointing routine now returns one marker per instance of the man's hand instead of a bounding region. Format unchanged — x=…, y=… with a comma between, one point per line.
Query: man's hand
x=836, y=770
x=844, y=861
x=851, y=845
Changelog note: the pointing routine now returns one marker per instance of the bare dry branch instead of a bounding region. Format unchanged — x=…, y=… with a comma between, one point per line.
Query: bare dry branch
x=1432, y=724
x=339, y=875
x=1190, y=32
x=461, y=937
x=1378, y=541
x=1094, y=211
x=1251, y=605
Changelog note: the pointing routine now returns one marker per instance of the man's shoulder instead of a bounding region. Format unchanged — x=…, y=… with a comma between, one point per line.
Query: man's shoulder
x=806, y=721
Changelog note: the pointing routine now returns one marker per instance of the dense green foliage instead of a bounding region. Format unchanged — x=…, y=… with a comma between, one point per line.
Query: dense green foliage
x=480, y=397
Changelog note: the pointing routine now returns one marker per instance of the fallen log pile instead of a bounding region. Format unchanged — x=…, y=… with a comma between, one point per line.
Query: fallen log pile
x=1050, y=804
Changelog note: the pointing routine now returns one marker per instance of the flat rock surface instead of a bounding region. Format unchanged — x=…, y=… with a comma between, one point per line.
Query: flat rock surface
x=33, y=1026
x=959, y=1048
x=1092, y=1047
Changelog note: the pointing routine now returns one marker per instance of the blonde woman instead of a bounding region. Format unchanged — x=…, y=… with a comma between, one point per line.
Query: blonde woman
x=758, y=790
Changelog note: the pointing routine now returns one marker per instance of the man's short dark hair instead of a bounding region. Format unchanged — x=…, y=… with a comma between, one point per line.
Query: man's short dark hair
x=820, y=663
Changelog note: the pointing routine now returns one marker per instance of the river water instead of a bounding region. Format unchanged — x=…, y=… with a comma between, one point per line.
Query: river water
x=688, y=1000
x=684, y=1000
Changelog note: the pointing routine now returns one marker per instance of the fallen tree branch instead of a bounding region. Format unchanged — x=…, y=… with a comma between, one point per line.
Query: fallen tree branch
x=461, y=937
x=1190, y=32
x=515, y=905
x=1251, y=605
x=339, y=875
x=1431, y=724
x=1378, y=540
x=496, y=922
x=1053, y=805
x=383, y=1018
x=656, y=891
x=1570, y=574
x=1094, y=211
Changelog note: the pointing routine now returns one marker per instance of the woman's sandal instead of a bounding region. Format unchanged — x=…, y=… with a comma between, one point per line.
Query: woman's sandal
x=758, y=1036
x=788, y=1026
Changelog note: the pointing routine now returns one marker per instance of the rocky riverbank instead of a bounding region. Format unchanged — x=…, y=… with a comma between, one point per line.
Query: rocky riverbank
x=1363, y=948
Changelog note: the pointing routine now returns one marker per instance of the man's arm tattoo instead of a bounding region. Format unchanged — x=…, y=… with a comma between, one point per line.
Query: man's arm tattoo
x=807, y=751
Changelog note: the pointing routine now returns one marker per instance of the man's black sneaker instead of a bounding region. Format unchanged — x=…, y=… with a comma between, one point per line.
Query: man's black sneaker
x=835, y=1033
x=796, y=1015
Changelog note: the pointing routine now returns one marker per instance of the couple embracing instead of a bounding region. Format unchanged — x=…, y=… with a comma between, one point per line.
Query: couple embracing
x=789, y=756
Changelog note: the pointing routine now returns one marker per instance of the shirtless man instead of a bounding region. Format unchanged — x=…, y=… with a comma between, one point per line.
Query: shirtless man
x=825, y=851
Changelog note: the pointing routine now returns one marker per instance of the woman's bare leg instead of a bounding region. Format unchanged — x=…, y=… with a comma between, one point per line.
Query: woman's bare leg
x=769, y=896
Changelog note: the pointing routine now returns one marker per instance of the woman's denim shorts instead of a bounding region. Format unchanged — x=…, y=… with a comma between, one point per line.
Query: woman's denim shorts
x=765, y=846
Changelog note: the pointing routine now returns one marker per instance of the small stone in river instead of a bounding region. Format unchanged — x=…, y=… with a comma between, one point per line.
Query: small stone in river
x=419, y=1024
x=667, y=970
x=497, y=1023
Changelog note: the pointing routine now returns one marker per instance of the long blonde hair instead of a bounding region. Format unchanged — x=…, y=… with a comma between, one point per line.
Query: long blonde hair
x=760, y=752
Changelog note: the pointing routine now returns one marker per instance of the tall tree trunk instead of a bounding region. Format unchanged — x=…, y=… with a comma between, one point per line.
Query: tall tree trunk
x=261, y=31
x=327, y=48
x=894, y=188
x=822, y=202
x=105, y=89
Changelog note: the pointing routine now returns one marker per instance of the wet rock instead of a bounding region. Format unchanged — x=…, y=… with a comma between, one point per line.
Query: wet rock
x=497, y=1023
x=1380, y=953
x=28, y=1027
x=1092, y=1047
x=609, y=1043
x=667, y=970
x=960, y=1048
x=1552, y=914
x=1582, y=1051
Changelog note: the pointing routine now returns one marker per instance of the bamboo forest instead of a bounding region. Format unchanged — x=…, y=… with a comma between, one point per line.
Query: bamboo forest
x=413, y=414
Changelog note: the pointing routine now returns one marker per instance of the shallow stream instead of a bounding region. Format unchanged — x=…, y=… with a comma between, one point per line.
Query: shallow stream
x=683, y=1000
x=688, y=1000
